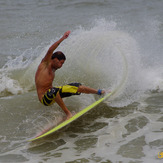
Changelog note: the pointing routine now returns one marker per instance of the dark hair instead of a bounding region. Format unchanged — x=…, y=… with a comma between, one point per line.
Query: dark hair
x=59, y=55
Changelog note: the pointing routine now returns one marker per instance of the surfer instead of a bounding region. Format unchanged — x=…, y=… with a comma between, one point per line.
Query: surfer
x=45, y=75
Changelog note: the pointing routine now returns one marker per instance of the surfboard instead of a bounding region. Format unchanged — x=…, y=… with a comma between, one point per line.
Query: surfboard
x=76, y=116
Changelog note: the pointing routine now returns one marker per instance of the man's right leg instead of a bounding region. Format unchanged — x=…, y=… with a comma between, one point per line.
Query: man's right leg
x=60, y=102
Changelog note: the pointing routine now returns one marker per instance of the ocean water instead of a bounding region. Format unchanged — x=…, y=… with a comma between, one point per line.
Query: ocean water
x=113, y=45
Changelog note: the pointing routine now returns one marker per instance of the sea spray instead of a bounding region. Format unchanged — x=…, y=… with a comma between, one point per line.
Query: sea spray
x=101, y=56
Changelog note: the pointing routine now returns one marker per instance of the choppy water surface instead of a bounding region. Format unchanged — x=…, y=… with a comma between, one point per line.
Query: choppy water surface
x=115, y=45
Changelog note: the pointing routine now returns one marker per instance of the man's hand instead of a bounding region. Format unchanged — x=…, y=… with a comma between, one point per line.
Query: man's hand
x=49, y=53
x=66, y=34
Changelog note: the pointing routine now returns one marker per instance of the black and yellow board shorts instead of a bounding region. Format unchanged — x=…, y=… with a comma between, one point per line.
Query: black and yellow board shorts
x=64, y=91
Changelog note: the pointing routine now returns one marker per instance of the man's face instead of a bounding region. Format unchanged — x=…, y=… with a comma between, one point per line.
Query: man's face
x=57, y=64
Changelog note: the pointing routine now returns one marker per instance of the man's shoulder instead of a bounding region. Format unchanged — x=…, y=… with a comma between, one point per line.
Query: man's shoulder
x=44, y=64
x=44, y=67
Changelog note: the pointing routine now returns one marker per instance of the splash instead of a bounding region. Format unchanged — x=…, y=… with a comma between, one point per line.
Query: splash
x=101, y=57
x=104, y=57
x=17, y=74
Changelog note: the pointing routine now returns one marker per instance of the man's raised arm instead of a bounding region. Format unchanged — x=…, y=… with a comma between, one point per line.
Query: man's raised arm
x=54, y=46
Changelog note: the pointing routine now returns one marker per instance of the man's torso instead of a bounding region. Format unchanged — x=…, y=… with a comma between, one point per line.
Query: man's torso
x=43, y=79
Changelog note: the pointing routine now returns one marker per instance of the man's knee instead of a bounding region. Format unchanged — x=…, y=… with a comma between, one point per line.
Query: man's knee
x=81, y=88
x=58, y=97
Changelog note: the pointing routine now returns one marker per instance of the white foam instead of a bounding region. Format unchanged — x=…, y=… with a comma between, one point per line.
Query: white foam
x=99, y=57
x=8, y=85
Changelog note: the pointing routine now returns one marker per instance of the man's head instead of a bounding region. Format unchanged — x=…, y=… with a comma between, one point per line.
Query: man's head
x=58, y=59
x=59, y=55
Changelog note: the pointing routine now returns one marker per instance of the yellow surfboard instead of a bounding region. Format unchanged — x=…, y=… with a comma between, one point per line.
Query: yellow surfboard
x=76, y=116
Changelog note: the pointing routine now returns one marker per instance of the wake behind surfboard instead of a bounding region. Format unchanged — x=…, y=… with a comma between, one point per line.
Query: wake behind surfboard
x=76, y=116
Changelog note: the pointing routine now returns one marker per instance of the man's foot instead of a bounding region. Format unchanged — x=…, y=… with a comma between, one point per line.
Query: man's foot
x=69, y=115
x=100, y=92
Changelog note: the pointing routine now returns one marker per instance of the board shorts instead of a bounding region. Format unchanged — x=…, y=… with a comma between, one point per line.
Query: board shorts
x=64, y=91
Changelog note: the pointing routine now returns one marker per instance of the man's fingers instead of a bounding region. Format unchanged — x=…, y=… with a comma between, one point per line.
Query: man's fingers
x=67, y=33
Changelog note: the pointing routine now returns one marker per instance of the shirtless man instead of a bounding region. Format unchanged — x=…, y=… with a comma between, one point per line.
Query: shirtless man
x=45, y=74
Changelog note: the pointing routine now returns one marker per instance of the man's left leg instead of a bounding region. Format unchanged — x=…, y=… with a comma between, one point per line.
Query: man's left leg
x=87, y=90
